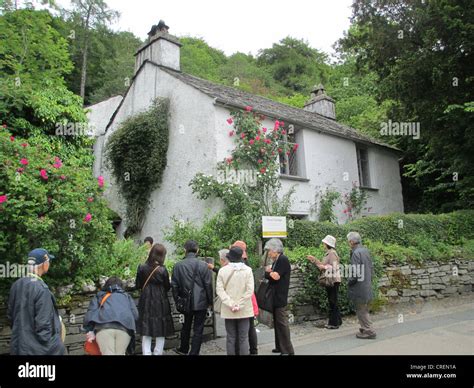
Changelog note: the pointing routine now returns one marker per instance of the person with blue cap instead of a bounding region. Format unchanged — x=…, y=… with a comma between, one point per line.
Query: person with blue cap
x=32, y=311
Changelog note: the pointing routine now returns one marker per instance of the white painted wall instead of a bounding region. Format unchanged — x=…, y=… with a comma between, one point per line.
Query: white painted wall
x=99, y=116
x=192, y=149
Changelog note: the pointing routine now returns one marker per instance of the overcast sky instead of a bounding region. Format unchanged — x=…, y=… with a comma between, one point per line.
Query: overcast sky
x=238, y=25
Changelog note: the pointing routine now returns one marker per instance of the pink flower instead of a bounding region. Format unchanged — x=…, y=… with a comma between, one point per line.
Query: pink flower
x=280, y=150
x=100, y=180
x=57, y=162
x=24, y=144
x=230, y=121
x=62, y=177
x=282, y=124
x=263, y=170
x=3, y=198
x=242, y=135
x=231, y=133
x=248, y=108
x=251, y=141
x=257, y=138
x=90, y=199
x=264, y=130
x=295, y=147
x=283, y=132
x=12, y=138
x=268, y=141
x=24, y=162
x=88, y=217
x=44, y=174
x=20, y=170
x=260, y=161
x=277, y=125
x=229, y=160
x=345, y=211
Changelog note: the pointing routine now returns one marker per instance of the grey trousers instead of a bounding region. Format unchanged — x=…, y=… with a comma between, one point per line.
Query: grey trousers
x=282, y=331
x=362, y=311
x=237, y=334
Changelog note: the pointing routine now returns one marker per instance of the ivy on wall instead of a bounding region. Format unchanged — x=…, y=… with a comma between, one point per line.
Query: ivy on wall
x=136, y=156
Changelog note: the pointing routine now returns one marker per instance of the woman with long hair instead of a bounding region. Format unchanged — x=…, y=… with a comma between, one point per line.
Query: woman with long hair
x=155, y=320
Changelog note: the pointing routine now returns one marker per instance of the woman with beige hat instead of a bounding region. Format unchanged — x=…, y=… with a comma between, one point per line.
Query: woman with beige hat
x=330, y=265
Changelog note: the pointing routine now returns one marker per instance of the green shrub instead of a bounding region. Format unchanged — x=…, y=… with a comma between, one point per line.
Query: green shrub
x=136, y=154
x=121, y=259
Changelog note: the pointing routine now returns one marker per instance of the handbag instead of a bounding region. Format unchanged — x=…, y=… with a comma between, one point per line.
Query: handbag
x=92, y=348
x=265, y=293
x=184, y=304
x=217, y=300
x=325, y=280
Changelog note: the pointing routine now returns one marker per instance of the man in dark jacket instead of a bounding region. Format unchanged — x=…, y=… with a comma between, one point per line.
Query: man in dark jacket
x=360, y=284
x=278, y=275
x=32, y=311
x=192, y=275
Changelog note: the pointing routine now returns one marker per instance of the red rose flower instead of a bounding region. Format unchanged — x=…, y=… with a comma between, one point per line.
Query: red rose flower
x=248, y=108
x=263, y=170
x=260, y=161
x=251, y=141
x=229, y=120
x=231, y=133
x=242, y=135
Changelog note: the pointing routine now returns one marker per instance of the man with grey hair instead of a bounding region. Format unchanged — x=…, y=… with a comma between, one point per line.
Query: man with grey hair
x=32, y=311
x=360, y=287
x=278, y=274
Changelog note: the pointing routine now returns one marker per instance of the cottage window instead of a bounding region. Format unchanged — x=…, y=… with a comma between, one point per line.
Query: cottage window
x=363, y=166
x=289, y=161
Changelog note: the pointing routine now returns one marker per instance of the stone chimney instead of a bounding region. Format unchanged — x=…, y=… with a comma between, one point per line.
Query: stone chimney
x=321, y=103
x=161, y=48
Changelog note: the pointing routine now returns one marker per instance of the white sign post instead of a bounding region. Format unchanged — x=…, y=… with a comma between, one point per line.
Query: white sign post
x=274, y=227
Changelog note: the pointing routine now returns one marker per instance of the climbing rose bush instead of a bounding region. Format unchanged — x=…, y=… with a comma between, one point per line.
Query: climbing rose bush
x=49, y=198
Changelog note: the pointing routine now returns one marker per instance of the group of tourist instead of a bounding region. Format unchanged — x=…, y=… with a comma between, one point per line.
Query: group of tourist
x=113, y=318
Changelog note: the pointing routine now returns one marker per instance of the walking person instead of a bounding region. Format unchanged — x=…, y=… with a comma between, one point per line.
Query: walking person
x=331, y=271
x=192, y=282
x=154, y=311
x=360, y=286
x=253, y=338
x=278, y=275
x=110, y=319
x=235, y=286
x=32, y=311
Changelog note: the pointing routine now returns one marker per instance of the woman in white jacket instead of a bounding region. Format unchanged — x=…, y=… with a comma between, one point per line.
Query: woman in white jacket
x=235, y=286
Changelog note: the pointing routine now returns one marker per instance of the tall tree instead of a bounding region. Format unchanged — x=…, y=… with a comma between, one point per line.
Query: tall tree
x=90, y=14
x=294, y=64
x=422, y=53
x=34, y=59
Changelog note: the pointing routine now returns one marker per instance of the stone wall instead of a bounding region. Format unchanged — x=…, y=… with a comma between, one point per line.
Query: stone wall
x=73, y=315
x=432, y=280
x=400, y=284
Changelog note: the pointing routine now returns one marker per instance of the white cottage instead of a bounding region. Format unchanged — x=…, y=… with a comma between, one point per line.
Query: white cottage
x=331, y=154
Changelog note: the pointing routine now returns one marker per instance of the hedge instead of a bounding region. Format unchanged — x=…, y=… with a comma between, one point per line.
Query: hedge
x=401, y=229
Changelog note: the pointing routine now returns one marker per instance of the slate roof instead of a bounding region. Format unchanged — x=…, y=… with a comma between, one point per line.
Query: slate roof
x=239, y=99
x=236, y=98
